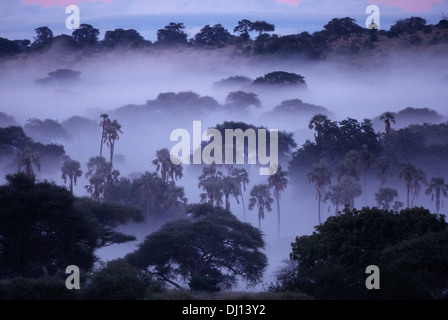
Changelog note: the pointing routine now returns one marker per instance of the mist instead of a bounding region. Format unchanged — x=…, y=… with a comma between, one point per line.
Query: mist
x=350, y=86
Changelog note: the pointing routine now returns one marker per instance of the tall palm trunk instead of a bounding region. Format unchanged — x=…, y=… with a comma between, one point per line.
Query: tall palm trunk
x=244, y=206
x=277, y=198
x=319, y=205
x=71, y=184
x=365, y=188
x=408, y=189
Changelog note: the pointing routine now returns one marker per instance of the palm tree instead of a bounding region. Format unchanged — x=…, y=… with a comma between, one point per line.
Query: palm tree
x=383, y=164
x=260, y=196
x=278, y=181
x=112, y=134
x=230, y=187
x=211, y=182
x=344, y=193
x=103, y=124
x=413, y=178
x=419, y=179
x=437, y=188
x=384, y=197
x=175, y=198
x=337, y=197
x=388, y=117
x=27, y=159
x=149, y=187
x=349, y=166
x=241, y=178
x=168, y=170
x=71, y=170
x=321, y=177
x=99, y=174
x=366, y=158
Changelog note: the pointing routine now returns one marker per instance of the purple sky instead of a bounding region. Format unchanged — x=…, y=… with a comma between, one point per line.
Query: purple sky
x=19, y=18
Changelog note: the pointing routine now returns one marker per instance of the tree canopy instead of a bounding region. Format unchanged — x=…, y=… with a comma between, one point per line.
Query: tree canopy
x=331, y=263
x=210, y=250
x=44, y=229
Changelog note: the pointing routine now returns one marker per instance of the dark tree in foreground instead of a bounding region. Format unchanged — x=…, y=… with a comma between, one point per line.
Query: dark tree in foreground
x=210, y=251
x=44, y=229
x=332, y=265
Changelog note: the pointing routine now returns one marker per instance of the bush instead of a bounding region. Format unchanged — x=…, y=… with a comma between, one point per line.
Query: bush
x=198, y=283
x=120, y=281
x=36, y=289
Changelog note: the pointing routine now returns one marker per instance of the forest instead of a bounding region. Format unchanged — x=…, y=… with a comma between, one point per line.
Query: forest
x=88, y=177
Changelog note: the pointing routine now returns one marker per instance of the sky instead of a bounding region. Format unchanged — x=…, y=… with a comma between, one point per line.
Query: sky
x=19, y=18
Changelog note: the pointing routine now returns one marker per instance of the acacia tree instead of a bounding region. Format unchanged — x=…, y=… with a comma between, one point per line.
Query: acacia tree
x=210, y=251
x=260, y=196
x=71, y=170
x=243, y=28
x=321, y=177
x=437, y=188
x=278, y=181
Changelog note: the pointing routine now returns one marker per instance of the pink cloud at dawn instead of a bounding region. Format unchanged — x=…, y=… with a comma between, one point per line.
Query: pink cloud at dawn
x=62, y=3
x=409, y=5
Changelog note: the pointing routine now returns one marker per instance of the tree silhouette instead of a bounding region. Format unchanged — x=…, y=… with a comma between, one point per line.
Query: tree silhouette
x=230, y=187
x=413, y=177
x=241, y=178
x=243, y=28
x=321, y=177
x=27, y=159
x=384, y=197
x=211, y=182
x=388, y=118
x=278, y=181
x=261, y=26
x=71, y=170
x=260, y=196
x=105, y=122
x=437, y=188
x=112, y=135
x=366, y=158
x=164, y=164
x=383, y=164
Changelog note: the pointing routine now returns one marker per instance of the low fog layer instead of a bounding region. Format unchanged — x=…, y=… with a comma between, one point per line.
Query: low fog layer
x=358, y=87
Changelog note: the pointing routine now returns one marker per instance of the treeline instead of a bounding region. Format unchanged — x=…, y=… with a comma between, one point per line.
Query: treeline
x=315, y=45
